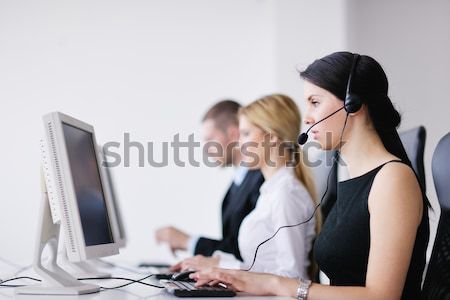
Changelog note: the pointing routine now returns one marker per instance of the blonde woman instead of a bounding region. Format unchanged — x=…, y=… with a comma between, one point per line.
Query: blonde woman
x=268, y=130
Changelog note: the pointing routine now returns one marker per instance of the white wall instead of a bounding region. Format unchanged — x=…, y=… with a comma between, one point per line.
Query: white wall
x=305, y=31
x=150, y=68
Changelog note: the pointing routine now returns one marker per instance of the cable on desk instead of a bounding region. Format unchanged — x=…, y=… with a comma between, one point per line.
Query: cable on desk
x=125, y=268
x=19, y=268
x=126, y=284
x=2, y=283
x=17, y=278
x=12, y=285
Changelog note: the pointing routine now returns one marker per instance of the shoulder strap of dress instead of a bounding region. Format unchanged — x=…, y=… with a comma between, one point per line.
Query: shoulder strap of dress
x=424, y=196
x=393, y=160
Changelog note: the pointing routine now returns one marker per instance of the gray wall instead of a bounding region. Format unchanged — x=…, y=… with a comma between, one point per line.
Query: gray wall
x=411, y=39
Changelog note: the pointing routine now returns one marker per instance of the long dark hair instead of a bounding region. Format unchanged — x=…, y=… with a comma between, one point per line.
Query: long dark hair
x=369, y=82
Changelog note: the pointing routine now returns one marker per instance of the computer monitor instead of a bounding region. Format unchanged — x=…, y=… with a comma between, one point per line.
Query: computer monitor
x=74, y=204
x=83, y=202
x=110, y=186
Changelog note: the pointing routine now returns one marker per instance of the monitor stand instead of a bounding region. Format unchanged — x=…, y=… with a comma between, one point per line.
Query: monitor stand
x=100, y=263
x=55, y=281
x=82, y=269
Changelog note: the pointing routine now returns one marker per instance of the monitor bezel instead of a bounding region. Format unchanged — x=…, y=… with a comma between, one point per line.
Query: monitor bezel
x=82, y=252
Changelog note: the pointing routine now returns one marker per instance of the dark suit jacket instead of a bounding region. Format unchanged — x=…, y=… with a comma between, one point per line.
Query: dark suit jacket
x=238, y=203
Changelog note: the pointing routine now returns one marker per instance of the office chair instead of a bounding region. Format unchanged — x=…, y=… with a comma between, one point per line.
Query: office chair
x=414, y=143
x=437, y=281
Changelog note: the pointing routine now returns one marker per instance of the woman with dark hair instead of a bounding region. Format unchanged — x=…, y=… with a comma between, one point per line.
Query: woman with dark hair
x=373, y=242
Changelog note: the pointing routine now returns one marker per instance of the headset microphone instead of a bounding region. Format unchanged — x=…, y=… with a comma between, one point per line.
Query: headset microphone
x=352, y=101
x=302, y=138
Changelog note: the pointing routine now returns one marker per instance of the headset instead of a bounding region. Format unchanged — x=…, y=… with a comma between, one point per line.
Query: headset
x=352, y=104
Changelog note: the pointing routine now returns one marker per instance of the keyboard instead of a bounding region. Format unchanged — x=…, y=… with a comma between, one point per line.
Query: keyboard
x=188, y=289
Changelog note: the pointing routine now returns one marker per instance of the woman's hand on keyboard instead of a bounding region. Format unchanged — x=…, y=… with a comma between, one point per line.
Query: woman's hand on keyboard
x=197, y=262
x=240, y=281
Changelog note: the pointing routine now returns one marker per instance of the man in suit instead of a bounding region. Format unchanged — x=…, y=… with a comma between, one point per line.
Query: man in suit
x=220, y=125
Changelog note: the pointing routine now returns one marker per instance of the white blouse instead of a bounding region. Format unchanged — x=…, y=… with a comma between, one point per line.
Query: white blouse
x=283, y=200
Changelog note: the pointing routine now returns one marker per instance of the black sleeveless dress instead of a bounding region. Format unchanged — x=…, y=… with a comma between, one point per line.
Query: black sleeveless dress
x=342, y=248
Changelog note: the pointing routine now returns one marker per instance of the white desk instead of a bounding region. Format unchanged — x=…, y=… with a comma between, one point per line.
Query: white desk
x=131, y=292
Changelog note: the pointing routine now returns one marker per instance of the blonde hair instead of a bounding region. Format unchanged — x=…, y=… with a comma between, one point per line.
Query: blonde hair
x=278, y=115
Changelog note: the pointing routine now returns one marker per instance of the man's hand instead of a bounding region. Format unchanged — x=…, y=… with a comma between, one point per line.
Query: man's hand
x=176, y=239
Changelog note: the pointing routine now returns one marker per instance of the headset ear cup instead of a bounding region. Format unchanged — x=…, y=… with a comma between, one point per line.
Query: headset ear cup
x=352, y=103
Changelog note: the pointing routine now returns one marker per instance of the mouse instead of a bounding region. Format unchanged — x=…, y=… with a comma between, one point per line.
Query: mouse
x=183, y=276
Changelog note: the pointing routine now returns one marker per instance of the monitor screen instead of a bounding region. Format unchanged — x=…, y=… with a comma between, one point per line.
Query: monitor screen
x=88, y=186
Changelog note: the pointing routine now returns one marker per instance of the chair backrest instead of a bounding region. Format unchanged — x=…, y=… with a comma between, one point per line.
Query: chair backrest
x=413, y=141
x=437, y=281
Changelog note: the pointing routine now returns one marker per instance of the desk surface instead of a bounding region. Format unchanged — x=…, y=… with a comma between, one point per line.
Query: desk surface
x=131, y=292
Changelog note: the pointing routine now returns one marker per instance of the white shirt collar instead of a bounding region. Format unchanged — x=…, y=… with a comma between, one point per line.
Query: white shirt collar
x=239, y=175
x=273, y=181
